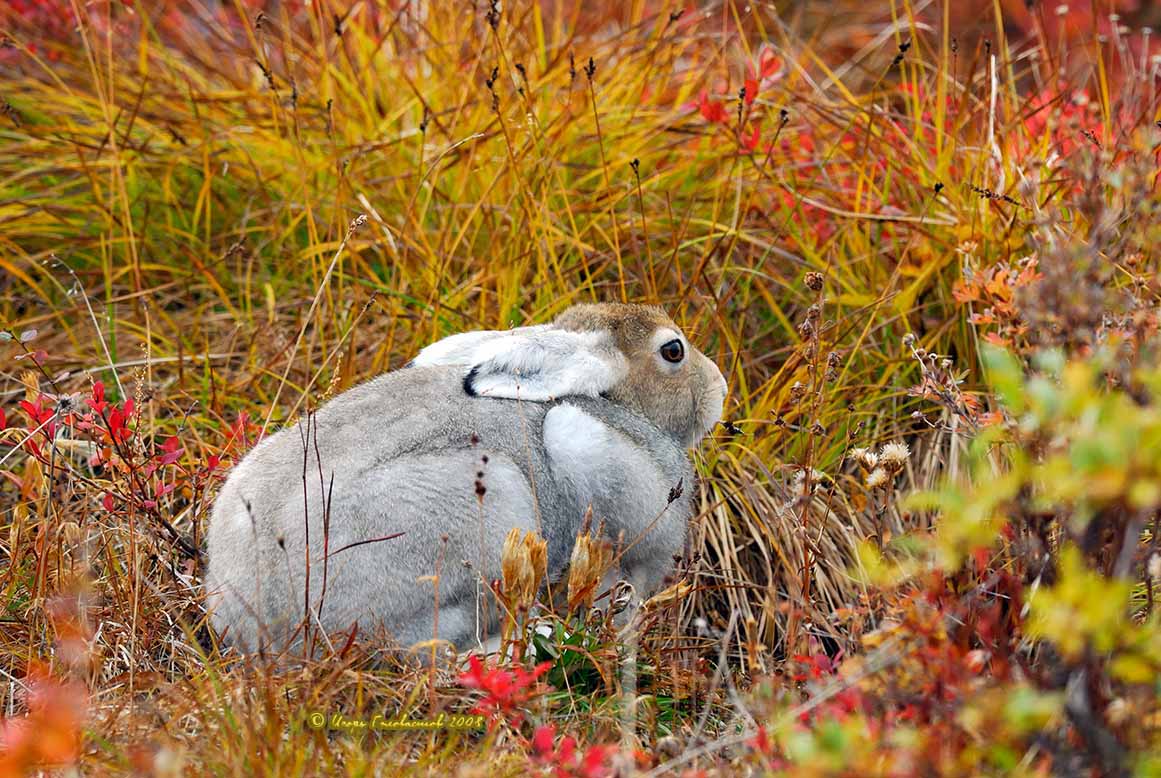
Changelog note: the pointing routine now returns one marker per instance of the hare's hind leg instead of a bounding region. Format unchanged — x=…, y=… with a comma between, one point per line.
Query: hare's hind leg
x=247, y=603
x=444, y=516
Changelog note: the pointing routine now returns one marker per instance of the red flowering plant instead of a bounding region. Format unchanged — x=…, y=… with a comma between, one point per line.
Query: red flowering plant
x=936, y=673
x=758, y=76
x=1068, y=117
x=46, y=27
x=563, y=759
x=139, y=474
x=504, y=690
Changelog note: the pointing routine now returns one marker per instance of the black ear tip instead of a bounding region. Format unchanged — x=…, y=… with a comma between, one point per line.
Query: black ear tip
x=469, y=380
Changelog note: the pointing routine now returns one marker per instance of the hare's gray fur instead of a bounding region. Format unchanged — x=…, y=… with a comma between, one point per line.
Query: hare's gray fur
x=425, y=452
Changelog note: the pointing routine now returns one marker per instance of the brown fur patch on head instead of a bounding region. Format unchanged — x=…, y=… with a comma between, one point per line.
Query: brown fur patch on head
x=631, y=324
x=684, y=398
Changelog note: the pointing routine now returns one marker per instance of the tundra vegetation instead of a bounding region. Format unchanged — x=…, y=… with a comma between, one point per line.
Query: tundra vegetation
x=917, y=235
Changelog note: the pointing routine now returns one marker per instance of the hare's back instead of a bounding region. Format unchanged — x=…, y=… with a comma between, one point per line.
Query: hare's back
x=403, y=414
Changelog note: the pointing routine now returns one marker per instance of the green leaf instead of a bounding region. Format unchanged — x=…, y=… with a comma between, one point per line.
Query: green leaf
x=1005, y=375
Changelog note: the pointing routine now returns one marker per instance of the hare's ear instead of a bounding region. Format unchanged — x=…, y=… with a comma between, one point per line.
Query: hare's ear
x=461, y=349
x=536, y=363
x=544, y=363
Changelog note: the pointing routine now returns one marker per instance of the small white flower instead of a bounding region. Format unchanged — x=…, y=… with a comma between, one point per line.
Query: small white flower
x=893, y=456
x=876, y=478
x=816, y=478
x=866, y=458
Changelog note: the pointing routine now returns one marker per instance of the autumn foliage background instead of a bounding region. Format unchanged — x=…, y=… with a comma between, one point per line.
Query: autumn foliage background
x=918, y=237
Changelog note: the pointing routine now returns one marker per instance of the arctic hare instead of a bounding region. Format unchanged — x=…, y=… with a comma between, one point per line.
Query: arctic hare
x=424, y=470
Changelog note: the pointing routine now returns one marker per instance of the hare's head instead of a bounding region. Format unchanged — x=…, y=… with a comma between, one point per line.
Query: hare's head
x=633, y=355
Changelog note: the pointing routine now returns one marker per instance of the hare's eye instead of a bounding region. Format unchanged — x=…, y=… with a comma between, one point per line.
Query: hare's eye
x=673, y=351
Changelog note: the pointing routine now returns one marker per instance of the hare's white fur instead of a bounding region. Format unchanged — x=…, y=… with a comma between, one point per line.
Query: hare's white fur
x=485, y=432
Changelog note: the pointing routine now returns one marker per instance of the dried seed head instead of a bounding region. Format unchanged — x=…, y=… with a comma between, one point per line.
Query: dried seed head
x=587, y=521
x=866, y=459
x=522, y=566
x=814, y=281
x=797, y=390
x=355, y=224
x=674, y=594
x=876, y=478
x=833, y=362
x=513, y=560
x=893, y=456
x=591, y=557
x=620, y=597
x=816, y=478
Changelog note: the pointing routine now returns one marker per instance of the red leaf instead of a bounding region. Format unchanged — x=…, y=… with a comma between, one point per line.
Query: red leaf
x=761, y=741
x=173, y=451
x=97, y=400
x=749, y=143
x=712, y=110
x=769, y=63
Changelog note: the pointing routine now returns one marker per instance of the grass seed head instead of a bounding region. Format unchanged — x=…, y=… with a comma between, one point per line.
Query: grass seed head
x=591, y=557
x=868, y=460
x=877, y=478
x=522, y=565
x=893, y=457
